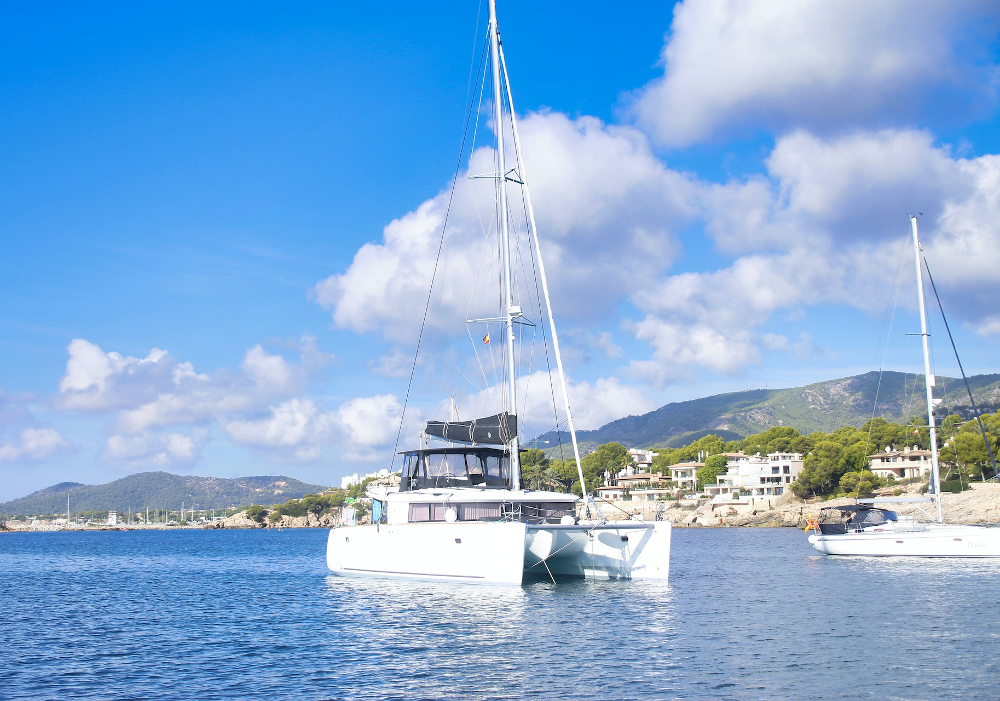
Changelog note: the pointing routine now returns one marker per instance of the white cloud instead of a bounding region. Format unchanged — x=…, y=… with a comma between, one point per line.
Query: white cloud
x=33, y=444
x=581, y=346
x=102, y=381
x=296, y=427
x=964, y=245
x=371, y=421
x=149, y=449
x=825, y=226
x=605, y=400
x=989, y=326
x=159, y=390
x=396, y=364
x=593, y=403
x=811, y=63
x=607, y=211
x=299, y=429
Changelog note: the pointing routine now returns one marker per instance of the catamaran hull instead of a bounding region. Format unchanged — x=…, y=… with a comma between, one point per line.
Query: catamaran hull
x=935, y=541
x=500, y=552
x=626, y=550
x=478, y=553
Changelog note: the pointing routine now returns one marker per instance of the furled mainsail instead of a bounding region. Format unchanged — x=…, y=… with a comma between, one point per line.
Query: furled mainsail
x=498, y=429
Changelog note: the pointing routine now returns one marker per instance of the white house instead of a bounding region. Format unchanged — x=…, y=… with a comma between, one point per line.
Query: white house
x=685, y=475
x=901, y=464
x=756, y=475
x=643, y=458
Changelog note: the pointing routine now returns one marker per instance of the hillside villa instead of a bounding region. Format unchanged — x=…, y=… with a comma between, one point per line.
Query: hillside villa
x=900, y=464
x=769, y=475
x=746, y=477
x=685, y=475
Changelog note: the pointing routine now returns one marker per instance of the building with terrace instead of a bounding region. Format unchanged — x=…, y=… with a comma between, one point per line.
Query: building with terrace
x=770, y=475
x=900, y=464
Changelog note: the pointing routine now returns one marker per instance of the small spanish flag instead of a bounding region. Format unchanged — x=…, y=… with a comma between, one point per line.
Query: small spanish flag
x=486, y=339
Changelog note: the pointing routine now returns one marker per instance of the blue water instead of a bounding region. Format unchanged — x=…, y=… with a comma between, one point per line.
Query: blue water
x=748, y=614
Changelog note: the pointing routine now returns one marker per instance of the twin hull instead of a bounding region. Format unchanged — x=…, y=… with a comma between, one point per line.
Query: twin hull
x=935, y=541
x=501, y=552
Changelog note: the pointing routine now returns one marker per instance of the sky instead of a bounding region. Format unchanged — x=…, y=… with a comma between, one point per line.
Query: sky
x=218, y=221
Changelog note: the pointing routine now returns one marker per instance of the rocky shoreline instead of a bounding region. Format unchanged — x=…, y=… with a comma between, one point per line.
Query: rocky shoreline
x=981, y=504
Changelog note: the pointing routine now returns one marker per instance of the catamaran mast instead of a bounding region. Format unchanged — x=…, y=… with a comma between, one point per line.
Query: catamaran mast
x=928, y=377
x=541, y=274
x=510, y=311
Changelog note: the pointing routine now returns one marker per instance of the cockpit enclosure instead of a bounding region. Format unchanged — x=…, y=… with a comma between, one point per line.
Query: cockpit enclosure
x=838, y=520
x=455, y=467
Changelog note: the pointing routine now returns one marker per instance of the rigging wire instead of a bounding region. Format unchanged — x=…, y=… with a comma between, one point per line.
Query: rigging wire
x=545, y=342
x=430, y=291
x=968, y=389
x=888, y=332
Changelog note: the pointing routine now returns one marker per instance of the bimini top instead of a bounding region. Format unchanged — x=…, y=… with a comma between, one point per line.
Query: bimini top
x=850, y=508
x=836, y=520
x=467, y=466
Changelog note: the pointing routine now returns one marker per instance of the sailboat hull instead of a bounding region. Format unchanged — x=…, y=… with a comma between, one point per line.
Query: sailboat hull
x=932, y=541
x=501, y=552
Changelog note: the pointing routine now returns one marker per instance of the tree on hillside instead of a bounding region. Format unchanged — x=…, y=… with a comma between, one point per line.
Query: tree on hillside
x=709, y=445
x=824, y=466
x=610, y=457
x=533, y=466
x=256, y=513
x=881, y=434
x=778, y=439
x=564, y=472
x=714, y=466
x=860, y=483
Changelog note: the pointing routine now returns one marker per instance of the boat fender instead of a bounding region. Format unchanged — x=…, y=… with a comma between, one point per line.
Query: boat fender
x=568, y=520
x=450, y=515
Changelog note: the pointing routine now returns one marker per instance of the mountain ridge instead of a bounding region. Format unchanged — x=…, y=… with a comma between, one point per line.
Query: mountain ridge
x=821, y=406
x=160, y=490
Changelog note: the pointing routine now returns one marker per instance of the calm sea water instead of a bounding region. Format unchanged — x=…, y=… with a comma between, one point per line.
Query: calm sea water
x=748, y=614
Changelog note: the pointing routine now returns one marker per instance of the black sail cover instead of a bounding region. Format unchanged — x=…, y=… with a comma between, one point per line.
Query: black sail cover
x=498, y=429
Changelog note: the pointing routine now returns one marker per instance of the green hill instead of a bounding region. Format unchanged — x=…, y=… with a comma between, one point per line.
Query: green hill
x=160, y=490
x=824, y=406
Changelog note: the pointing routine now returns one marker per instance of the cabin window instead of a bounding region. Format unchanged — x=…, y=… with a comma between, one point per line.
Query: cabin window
x=446, y=470
x=422, y=513
x=495, y=468
x=545, y=512
x=475, y=468
x=479, y=512
x=411, y=475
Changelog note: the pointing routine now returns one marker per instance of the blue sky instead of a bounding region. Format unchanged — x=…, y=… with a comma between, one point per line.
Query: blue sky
x=194, y=202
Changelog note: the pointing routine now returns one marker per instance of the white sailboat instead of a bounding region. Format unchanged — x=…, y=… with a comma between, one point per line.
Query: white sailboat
x=461, y=512
x=868, y=529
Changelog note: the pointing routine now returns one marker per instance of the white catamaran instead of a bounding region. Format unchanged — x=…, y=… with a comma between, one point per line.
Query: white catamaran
x=461, y=512
x=867, y=529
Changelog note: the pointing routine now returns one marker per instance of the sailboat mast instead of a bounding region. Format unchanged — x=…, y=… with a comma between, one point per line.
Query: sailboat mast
x=541, y=274
x=928, y=377
x=504, y=229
